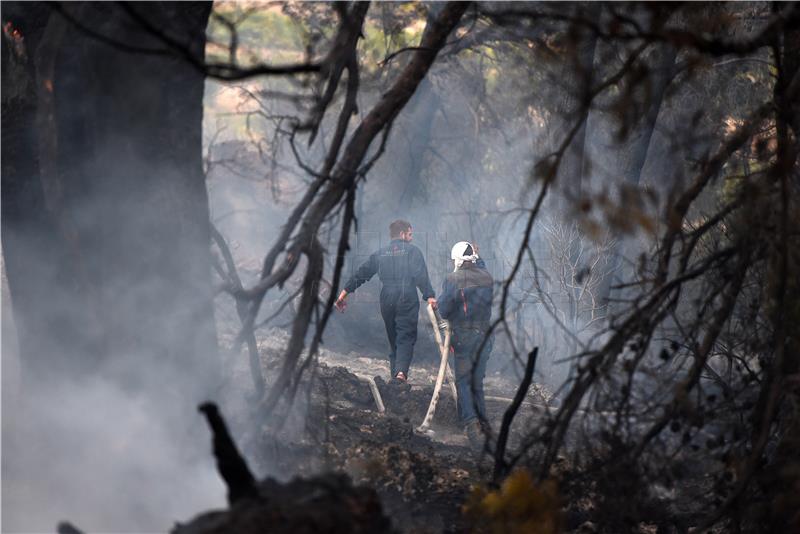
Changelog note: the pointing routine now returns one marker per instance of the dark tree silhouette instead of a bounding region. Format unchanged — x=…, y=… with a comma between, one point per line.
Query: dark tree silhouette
x=105, y=211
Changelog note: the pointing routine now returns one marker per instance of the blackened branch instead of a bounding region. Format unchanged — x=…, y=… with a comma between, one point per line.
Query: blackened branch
x=500, y=465
x=232, y=467
x=241, y=310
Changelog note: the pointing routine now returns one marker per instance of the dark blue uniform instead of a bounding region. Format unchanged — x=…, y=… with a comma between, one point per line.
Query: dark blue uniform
x=466, y=301
x=401, y=268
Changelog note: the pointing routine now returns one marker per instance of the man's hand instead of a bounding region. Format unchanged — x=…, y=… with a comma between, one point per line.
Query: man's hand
x=432, y=302
x=341, y=302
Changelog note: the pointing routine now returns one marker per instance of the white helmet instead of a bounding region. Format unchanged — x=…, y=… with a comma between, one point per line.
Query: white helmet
x=459, y=253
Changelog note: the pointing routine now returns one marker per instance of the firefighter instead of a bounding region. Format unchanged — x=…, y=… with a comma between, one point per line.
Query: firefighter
x=466, y=302
x=402, y=270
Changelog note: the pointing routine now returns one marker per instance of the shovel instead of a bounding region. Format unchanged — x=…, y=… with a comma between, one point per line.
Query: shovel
x=444, y=348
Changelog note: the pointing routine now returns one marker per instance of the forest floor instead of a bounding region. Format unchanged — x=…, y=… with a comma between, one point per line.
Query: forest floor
x=334, y=463
x=422, y=479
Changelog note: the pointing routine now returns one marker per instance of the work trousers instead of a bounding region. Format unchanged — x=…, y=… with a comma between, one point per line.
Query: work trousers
x=400, y=313
x=470, y=369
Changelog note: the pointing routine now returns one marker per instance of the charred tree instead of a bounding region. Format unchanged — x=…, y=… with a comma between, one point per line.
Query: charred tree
x=27, y=226
x=638, y=144
x=423, y=108
x=105, y=211
x=421, y=118
x=579, y=70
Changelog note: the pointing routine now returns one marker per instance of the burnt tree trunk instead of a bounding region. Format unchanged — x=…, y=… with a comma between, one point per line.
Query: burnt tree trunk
x=639, y=146
x=30, y=252
x=105, y=212
x=420, y=125
x=580, y=73
x=782, y=477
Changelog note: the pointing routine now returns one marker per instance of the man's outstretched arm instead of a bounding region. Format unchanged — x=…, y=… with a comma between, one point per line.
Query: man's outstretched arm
x=361, y=276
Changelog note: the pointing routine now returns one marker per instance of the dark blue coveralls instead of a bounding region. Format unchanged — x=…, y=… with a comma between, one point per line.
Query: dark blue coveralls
x=401, y=268
x=466, y=301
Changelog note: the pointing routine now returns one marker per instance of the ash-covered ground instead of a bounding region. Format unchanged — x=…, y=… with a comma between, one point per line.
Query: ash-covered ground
x=334, y=463
x=334, y=426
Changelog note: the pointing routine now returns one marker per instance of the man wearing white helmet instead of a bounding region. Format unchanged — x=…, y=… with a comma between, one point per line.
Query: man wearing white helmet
x=466, y=302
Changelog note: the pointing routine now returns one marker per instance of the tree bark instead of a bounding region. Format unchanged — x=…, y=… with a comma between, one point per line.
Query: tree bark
x=26, y=226
x=107, y=239
x=662, y=74
x=420, y=126
x=580, y=70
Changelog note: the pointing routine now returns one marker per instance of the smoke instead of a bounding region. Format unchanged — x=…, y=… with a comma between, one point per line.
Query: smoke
x=457, y=166
x=105, y=453
x=104, y=459
x=447, y=169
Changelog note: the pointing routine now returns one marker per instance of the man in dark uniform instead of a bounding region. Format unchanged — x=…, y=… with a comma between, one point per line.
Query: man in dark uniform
x=466, y=302
x=401, y=268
